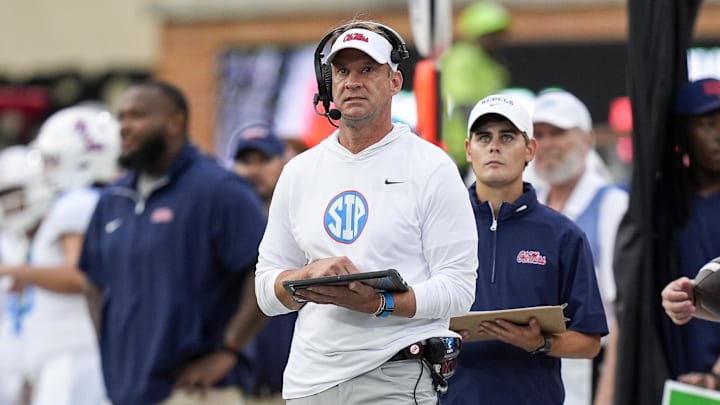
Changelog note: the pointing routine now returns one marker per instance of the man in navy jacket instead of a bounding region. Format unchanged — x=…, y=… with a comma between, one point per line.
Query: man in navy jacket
x=172, y=247
x=529, y=255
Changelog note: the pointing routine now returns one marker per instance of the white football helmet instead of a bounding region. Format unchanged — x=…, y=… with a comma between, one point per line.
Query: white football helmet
x=25, y=196
x=80, y=146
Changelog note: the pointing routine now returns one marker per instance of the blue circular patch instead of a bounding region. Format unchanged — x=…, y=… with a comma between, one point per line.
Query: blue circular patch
x=345, y=216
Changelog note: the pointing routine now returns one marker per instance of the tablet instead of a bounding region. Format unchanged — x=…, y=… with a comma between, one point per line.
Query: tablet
x=382, y=280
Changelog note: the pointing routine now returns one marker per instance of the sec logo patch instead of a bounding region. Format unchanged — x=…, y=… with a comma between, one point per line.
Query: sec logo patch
x=346, y=216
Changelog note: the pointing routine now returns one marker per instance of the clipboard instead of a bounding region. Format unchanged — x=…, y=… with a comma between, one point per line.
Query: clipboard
x=551, y=318
x=382, y=280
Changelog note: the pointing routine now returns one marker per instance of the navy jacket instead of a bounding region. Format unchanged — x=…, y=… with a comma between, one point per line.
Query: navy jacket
x=171, y=268
x=529, y=255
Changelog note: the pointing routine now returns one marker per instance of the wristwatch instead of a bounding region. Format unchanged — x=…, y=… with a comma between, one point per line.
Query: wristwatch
x=545, y=348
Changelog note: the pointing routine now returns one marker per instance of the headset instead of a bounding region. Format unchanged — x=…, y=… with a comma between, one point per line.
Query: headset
x=323, y=71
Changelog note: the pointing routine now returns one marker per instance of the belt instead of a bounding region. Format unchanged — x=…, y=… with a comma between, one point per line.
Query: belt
x=435, y=350
x=439, y=353
x=414, y=351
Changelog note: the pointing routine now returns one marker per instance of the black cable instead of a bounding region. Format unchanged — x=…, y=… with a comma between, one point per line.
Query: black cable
x=418, y=382
x=439, y=382
x=330, y=120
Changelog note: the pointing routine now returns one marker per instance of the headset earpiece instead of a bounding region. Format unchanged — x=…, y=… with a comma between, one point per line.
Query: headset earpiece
x=323, y=76
x=399, y=52
x=395, y=56
x=327, y=80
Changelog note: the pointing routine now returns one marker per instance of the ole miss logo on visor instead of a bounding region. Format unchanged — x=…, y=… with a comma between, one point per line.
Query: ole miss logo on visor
x=346, y=216
x=355, y=36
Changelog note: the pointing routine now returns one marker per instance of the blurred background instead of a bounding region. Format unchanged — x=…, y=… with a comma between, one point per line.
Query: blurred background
x=252, y=59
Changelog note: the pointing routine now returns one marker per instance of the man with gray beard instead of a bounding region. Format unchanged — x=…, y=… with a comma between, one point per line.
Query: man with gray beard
x=563, y=130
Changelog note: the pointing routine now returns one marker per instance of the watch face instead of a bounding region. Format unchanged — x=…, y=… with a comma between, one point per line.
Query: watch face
x=547, y=344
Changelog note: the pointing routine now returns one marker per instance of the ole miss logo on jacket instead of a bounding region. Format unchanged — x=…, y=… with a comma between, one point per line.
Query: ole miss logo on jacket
x=531, y=257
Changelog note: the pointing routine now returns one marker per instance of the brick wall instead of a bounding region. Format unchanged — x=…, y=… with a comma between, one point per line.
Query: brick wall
x=189, y=51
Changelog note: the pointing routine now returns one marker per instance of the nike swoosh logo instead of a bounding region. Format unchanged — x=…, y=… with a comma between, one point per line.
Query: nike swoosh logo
x=393, y=182
x=113, y=225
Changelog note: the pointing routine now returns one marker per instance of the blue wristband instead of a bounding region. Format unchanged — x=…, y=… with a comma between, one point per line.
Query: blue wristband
x=389, y=305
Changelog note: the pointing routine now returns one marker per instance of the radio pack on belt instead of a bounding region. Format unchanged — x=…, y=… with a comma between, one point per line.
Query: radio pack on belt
x=439, y=353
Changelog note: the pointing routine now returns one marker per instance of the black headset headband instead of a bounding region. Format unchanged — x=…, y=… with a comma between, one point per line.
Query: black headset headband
x=323, y=73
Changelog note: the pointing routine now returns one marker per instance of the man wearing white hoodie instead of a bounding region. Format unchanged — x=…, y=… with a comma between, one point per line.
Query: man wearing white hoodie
x=371, y=196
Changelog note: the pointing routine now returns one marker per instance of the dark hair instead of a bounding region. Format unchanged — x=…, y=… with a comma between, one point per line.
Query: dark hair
x=172, y=94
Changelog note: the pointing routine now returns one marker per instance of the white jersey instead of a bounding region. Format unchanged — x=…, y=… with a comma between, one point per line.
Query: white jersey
x=13, y=252
x=47, y=338
x=13, y=364
x=60, y=322
x=398, y=204
x=577, y=373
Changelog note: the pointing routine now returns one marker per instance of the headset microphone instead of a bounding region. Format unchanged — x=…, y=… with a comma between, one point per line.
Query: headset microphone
x=334, y=114
x=331, y=114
